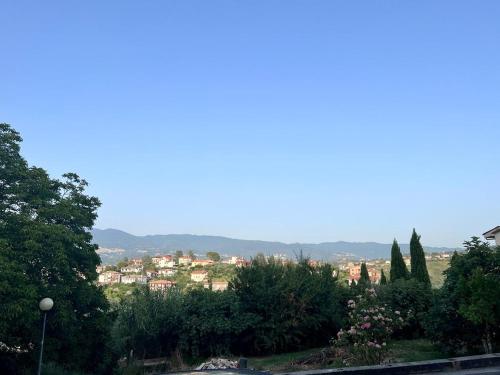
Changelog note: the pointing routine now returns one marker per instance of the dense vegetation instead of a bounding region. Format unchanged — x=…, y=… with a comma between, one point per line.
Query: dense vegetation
x=270, y=307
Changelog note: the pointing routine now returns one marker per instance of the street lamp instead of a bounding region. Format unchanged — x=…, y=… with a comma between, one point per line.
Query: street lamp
x=45, y=305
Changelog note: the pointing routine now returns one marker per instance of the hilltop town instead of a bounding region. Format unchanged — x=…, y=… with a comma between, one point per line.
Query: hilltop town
x=164, y=271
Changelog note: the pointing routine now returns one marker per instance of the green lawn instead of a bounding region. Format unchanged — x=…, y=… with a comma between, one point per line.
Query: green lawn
x=279, y=362
x=401, y=351
x=414, y=350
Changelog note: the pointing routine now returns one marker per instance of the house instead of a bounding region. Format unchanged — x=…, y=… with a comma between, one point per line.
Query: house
x=185, y=260
x=109, y=277
x=161, y=285
x=355, y=270
x=151, y=274
x=100, y=269
x=130, y=279
x=355, y=274
x=163, y=261
x=136, y=261
x=493, y=234
x=167, y=272
x=233, y=260
x=202, y=262
x=216, y=285
x=242, y=263
x=131, y=269
x=199, y=275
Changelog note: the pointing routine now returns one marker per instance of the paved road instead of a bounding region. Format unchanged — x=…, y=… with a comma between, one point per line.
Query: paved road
x=476, y=371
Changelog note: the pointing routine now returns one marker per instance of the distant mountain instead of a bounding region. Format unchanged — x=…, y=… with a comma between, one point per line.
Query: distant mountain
x=115, y=244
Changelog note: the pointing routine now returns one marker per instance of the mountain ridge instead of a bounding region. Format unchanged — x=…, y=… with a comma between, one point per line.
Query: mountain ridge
x=119, y=244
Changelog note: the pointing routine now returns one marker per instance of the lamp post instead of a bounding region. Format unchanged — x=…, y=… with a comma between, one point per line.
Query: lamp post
x=45, y=305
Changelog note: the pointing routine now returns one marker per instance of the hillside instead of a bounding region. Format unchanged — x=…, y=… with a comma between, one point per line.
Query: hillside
x=116, y=244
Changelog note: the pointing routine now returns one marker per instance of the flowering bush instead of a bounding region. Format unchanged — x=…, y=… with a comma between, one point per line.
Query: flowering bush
x=371, y=325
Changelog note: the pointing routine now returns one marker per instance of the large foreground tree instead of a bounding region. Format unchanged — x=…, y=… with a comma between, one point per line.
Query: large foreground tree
x=46, y=251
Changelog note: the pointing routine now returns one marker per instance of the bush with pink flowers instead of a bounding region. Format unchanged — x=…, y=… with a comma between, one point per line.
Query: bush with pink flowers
x=371, y=324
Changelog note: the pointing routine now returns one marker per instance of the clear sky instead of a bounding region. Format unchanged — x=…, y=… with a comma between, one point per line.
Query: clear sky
x=275, y=120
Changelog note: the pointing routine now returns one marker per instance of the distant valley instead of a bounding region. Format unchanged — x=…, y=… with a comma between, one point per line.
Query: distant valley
x=116, y=244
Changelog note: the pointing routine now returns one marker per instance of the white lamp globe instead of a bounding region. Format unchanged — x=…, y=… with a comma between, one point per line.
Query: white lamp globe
x=46, y=304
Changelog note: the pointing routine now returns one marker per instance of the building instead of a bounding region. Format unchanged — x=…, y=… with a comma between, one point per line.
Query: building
x=355, y=274
x=202, y=262
x=242, y=262
x=109, y=277
x=493, y=234
x=130, y=279
x=151, y=274
x=167, y=272
x=199, y=275
x=100, y=269
x=163, y=261
x=161, y=285
x=185, y=260
x=216, y=285
x=136, y=261
x=131, y=269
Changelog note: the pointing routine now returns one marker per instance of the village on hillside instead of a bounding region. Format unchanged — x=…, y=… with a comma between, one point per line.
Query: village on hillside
x=164, y=271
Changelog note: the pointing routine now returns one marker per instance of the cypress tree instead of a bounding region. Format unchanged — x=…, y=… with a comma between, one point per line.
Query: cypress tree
x=383, y=279
x=398, y=266
x=364, y=279
x=418, y=267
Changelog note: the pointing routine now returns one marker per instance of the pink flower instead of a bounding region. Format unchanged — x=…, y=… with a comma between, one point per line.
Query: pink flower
x=366, y=325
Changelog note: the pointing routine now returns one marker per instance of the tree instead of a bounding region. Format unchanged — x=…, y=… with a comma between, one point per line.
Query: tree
x=122, y=263
x=418, y=266
x=213, y=256
x=46, y=250
x=383, y=279
x=364, y=279
x=178, y=254
x=147, y=263
x=191, y=254
x=466, y=313
x=290, y=307
x=398, y=266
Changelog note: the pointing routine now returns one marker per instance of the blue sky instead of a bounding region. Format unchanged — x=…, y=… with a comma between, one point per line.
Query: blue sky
x=275, y=120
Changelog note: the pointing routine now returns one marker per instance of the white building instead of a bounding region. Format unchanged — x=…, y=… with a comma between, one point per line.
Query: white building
x=185, y=260
x=493, y=234
x=109, y=277
x=199, y=275
x=167, y=272
x=163, y=261
x=131, y=269
x=216, y=285
x=130, y=279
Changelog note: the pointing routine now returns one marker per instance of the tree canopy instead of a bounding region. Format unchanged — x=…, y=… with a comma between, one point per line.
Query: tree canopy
x=398, y=266
x=418, y=266
x=46, y=250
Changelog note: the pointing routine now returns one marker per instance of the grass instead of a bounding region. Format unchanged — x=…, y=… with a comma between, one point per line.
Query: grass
x=401, y=351
x=279, y=362
x=414, y=350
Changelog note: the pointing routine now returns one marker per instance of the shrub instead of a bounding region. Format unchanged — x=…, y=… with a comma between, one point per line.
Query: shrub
x=371, y=324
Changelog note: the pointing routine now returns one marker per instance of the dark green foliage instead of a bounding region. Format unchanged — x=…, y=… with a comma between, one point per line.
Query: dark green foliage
x=418, y=267
x=412, y=299
x=46, y=250
x=291, y=306
x=398, y=266
x=212, y=322
x=364, y=277
x=148, y=324
x=383, y=279
x=466, y=314
x=213, y=256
